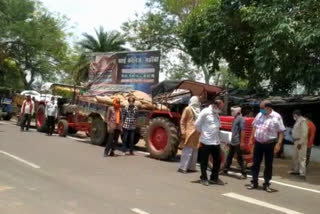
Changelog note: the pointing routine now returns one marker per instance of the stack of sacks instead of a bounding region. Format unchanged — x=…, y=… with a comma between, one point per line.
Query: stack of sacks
x=143, y=100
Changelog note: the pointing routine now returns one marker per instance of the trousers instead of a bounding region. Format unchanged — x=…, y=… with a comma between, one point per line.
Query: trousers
x=235, y=149
x=262, y=150
x=205, y=152
x=26, y=120
x=189, y=158
x=299, y=159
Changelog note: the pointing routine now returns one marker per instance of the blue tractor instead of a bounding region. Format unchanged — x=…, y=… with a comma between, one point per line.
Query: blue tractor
x=5, y=104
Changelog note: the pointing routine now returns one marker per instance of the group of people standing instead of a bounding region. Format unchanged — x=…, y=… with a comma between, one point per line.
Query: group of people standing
x=200, y=133
x=121, y=122
x=27, y=111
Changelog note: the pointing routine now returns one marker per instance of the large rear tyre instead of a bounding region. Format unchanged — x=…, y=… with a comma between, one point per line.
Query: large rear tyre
x=41, y=120
x=162, y=138
x=98, y=131
x=62, y=128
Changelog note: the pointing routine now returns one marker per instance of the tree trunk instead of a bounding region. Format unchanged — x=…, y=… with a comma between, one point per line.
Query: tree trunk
x=206, y=74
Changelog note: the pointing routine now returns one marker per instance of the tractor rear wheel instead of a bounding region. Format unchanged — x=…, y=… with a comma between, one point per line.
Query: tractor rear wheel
x=162, y=138
x=98, y=132
x=41, y=120
x=62, y=128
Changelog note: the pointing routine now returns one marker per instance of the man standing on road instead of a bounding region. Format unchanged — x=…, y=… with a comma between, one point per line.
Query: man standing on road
x=311, y=135
x=113, y=118
x=300, y=138
x=208, y=124
x=52, y=114
x=27, y=111
x=129, y=126
x=267, y=131
x=237, y=141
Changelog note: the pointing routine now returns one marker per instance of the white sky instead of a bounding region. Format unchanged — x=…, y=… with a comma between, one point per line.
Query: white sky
x=85, y=15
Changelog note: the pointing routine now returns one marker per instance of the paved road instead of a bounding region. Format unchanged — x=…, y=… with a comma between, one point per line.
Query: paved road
x=41, y=174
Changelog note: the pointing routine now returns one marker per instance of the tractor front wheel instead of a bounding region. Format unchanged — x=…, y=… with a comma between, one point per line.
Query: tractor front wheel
x=62, y=128
x=41, y=120
x=162, y=138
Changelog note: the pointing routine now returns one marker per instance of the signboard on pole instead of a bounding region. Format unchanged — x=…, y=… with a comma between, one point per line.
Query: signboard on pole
x=124, y=71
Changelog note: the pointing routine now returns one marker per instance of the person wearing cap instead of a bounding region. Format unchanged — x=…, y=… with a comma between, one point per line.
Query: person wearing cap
x=208, y=124
x=300, y=138
x=237, y=141
x=114, y=126
x=27, y=110
x=268, y=131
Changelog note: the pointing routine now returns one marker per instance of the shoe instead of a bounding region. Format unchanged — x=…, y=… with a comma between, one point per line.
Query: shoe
x=131, y=153
x=111, y=153
x=204, y=182
x=182, y=171
x=303, y=177
x=243, y=177
x=252, y=186
x=192, y=170
x=267, y=189
x=293, y=173
x=217, y=182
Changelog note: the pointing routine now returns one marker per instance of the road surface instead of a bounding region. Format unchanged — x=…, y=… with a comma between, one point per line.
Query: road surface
x=41, y=174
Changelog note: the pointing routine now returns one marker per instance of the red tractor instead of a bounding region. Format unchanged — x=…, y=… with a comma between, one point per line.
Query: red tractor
x=162, y=135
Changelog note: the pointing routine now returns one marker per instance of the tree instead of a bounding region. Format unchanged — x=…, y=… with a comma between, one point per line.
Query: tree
x=33, y=39
x=260, y=40
x=182, y=70
x=160, y=28
x=103, y=41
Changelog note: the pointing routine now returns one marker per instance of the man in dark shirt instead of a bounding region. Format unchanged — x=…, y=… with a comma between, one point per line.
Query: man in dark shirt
x=129, y=126
x=237, y=141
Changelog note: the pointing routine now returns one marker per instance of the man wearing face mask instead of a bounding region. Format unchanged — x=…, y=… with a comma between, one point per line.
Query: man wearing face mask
x=208, y=124
x=237, y=141
x=267, y=131
x=129, y=126
x=300, y=138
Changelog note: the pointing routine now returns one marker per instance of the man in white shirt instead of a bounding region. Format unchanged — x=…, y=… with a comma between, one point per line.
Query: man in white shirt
x=208, y=124
x=27, y=110
x=52, y=114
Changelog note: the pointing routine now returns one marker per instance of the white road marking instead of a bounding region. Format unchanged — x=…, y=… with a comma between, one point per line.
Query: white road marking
x=4, y=188
x=137, y=210
x=21, y=160
x=281, y=183
x=144, y=153
x=78, y=139
x=260, y=203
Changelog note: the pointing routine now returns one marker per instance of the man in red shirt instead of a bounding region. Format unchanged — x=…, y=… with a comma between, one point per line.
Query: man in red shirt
x=311, y=136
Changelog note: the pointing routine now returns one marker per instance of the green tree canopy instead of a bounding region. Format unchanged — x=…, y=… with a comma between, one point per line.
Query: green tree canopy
x=32, y=40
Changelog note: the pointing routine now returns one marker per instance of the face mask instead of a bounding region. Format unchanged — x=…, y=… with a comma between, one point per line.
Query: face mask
x=233, y=113
x=263, y=111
